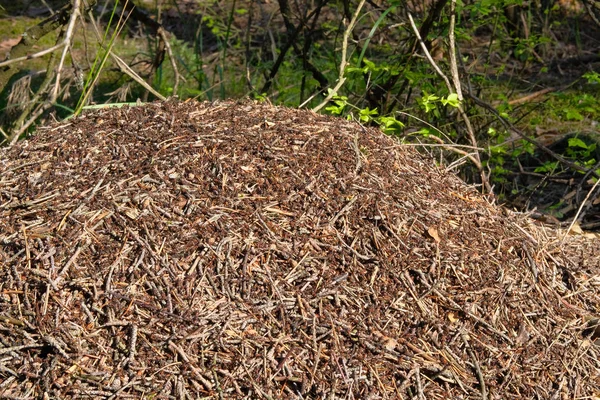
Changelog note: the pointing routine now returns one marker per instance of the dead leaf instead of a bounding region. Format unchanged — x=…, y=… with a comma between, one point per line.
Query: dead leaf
x=452, y=317
x=576, y=229
x=433, y=232
x=390, y=344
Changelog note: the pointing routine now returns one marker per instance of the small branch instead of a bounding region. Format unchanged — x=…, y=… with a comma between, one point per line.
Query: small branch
x=579, y=211
x=426, y=52
x=31, y=56
x=455, y=149
x=294, y=32
x=133, y=334
x=31, y=36
x=510, y=126
x=133, y=75
x=432, y=16
x=482, y=387
x=19, y=126
x=163, y=34
x=347, y=34
x=420, y=394
x=248, y=53
x=303, y=54
x=529, y=97
x=14, y=136
x=67, y=45
x=330, y=95
x=453, y=64
x=590, y=5
x=140, y=15
x=341, y=77
x=454, y=69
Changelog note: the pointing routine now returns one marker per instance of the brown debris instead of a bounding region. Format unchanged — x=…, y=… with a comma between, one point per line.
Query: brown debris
x=239, y=250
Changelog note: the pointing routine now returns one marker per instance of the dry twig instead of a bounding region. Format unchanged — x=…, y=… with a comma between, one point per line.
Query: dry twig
x=343, y=63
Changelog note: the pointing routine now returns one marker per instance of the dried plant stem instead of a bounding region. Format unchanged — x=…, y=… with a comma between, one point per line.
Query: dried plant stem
x=452, y=44
x=163, y=45
x=32, y=56
x=31, y=36
x=165, y=38
x=20, y=125
x=14, y=136
x=428, y=55
x=126, y=69
x=576, y=217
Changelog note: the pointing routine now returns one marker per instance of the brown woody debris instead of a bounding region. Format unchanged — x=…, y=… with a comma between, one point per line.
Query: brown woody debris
x=239, y=250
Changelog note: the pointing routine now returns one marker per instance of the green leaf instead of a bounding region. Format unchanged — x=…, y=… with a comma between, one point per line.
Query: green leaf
x=390, y=125
x=574, y=115
x=592, y=77
x=451, y=100
x=576, y=142
x=369, y=65
x=547, y=167
x=366, y=114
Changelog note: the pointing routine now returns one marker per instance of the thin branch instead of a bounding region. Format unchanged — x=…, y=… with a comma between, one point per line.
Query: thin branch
x=576, y=217
x=288, y=45
x=482, y=387
x=459, y=94
x=454, y=69
x=67, y=45
x=163, y=34
x=347, y=34
x=453, y=64
x=14, y=136
x=341, y=77
x=511, y=127
x=158, y=29
x=133, y=75
x=450, y=147
x=31, y=36
x=32, y=56
x=19, y=126
x=529, y=97
x=427, y=54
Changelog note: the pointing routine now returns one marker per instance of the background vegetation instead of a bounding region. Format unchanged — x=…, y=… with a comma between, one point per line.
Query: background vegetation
x=505, y=92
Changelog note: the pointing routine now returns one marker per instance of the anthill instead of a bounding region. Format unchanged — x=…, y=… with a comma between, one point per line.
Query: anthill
x=239, y=250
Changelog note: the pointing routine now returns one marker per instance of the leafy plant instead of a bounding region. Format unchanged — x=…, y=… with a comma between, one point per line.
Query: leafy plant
x=592, y=77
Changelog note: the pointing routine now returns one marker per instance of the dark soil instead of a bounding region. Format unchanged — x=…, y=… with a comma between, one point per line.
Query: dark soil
x=239, y=250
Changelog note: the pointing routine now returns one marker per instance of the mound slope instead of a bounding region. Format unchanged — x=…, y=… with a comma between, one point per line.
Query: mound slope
x=239, y=250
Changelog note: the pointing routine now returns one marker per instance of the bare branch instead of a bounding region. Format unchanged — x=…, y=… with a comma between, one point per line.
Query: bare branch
x=475, y=159
x=31, y=56
x=67, y=45
x=341, y=77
